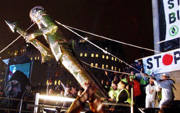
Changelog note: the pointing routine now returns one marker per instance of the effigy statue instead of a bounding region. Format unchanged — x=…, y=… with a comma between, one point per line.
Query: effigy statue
x=60, y=50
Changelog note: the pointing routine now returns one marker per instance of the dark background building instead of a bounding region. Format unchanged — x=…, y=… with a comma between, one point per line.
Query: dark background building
x=127, y=21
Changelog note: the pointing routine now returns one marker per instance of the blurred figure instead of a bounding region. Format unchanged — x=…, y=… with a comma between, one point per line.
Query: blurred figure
x=73, y=92
x=68, y=94
x=123, y=96
x=61, y=92
x=167, y=91
x=113, y=92
x=139, y=66
x=151, y=91
x=107, y=86
x=115, y=80
x=51, y=92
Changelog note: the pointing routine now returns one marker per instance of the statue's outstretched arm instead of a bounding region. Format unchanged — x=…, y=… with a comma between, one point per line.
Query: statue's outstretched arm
x=43, y=31
x=45, y=52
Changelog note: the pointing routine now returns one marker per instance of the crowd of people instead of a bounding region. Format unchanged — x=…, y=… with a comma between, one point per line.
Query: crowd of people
x=147, y=91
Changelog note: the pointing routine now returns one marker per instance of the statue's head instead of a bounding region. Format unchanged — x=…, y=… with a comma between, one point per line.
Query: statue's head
x=36, y=12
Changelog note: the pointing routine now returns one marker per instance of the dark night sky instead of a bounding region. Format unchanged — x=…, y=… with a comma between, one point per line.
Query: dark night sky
x=125, y=20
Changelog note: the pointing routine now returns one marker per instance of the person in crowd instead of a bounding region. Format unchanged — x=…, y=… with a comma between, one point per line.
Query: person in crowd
x=151, y=91
x=102, y=82
x=123, y=96
x=166, y=86
x=109, y=76
x=61, y=92
x=73, y=92
x=139, y=66
x=159, y=95
x=115, y=80
x=113, y=92
x=107, y=86
x=51, y=92
x=68, y=94
x=132, y=82
x=66, y=88
x=57, y=90
x=132, y=76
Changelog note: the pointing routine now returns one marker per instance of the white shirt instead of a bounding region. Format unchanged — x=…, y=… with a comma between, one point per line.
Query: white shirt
x=150, y=96
x=166, y=86
x=65, y=89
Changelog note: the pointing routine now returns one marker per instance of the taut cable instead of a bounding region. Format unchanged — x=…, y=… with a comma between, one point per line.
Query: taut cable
x=14, y=40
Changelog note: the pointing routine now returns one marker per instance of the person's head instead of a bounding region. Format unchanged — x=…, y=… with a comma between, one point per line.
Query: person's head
x=139, y=62
x=151, y=82
x=102, y=81
x=36, y=12
x=51, y=91
x=107, y=82
x=106, y=73
x=114, y=86
x=115, y=78
x=121, y=85
x=165, y=76
x=67, y=85
x=132, y=73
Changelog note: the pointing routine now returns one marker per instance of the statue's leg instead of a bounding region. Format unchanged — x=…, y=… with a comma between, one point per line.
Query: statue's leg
x=95, y=104
x=79, y=103
x=88, y=95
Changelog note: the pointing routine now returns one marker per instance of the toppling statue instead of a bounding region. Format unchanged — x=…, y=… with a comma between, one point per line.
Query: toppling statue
x=60, y=50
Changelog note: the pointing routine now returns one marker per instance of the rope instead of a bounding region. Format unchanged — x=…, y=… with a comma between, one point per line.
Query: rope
x=142, y=74
x=14, y=40
x=104, y=69
x=104, y=51
x=103, y=37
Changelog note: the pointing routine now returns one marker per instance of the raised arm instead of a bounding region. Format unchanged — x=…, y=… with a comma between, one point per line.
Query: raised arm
x=43, y=31
x=45, y=52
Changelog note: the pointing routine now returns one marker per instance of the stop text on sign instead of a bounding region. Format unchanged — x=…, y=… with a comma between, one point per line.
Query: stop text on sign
x=165, y=62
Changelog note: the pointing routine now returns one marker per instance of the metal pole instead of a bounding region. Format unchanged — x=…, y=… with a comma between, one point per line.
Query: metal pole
x=21, y=101
x=132, y=101
x=20, y=105
x=156, y=24
x=36, y=102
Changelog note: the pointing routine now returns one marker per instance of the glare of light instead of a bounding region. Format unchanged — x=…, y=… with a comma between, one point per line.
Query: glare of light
x=56, y=98
x=86, y=38
x=85, y=54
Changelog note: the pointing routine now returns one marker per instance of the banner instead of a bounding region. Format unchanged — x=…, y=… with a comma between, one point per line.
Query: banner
x=172, y=16
x=162, y=63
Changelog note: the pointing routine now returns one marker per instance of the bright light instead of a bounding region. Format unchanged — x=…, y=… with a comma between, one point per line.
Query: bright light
x=56, y=98
x=85, y=54
x=86, y=38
